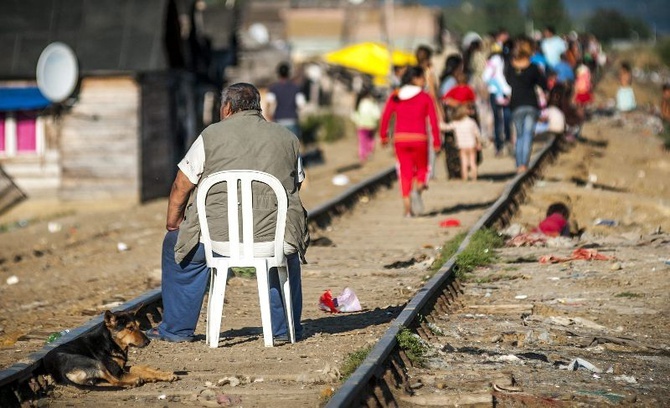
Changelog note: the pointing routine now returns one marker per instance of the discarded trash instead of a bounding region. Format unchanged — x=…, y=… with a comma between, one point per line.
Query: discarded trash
x=13, y=280
x=347, y=301
x=121, y=246
x=327, y=303
x=57, y=335
x=578, y=254
x=581, y=363
x=612, y=397
x=605, y=222
x=510, y=358
x=340, y=180
x=162, y=397
x=450, y=222
x=226, y=400
x=521, y=297
x=54, y=227
x=527, y=239
x=626, y=378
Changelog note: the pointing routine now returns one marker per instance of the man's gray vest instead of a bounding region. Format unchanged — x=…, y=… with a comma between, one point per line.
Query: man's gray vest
x=246, y=141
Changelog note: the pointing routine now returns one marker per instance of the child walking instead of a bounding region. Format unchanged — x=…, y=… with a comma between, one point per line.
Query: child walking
x=366, y=117
x=467, y=139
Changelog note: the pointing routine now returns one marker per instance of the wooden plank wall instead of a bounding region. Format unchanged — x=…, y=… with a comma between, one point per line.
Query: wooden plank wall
x=100, y=141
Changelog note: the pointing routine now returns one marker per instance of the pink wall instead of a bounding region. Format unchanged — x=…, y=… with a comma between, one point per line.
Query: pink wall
x=25, y=132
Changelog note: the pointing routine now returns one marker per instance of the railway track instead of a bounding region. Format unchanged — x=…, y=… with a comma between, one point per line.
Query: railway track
x=359, y=249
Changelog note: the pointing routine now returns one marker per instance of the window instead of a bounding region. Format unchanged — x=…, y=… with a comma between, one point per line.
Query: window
x=21, y=133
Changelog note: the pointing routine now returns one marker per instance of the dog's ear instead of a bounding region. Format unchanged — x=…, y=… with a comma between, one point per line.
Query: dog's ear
x=136, y=309
x=110, y=319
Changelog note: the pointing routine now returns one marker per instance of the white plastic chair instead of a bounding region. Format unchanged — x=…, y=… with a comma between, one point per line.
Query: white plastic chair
x=242, y=252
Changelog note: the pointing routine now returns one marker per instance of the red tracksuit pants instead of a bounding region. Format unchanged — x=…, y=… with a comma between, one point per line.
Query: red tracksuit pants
x=412, y=164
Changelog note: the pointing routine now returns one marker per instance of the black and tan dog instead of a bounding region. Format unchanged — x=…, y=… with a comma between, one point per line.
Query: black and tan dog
x=99, y=358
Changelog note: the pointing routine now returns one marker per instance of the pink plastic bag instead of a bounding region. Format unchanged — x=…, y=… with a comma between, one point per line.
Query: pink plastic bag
x=346, y=302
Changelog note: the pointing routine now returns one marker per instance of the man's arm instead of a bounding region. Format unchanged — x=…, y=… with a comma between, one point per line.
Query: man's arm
x=270, y=105
x=181, y=189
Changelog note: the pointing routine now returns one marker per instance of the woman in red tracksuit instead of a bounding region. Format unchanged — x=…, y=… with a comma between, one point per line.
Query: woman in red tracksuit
x=412, y=111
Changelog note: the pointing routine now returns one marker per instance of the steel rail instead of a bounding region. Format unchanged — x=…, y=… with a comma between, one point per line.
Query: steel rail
x=368, y=385
x=24, y=381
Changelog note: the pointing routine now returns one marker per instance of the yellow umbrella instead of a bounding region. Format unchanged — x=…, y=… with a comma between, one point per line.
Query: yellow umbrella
x=369, y=58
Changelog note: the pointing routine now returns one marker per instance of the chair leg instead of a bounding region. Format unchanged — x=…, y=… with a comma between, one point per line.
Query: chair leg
x=264, y=302
x=288, y=304
x=217, y=293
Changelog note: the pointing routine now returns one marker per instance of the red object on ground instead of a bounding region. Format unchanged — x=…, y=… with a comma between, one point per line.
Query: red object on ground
x=326, y=302
x=450, y=222
x=578, y=254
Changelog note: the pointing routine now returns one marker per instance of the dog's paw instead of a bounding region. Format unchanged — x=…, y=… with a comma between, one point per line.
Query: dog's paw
x=169, y=377
x=138, y=382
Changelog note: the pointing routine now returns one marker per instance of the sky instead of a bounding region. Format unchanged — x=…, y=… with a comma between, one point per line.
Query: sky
x=655, y=12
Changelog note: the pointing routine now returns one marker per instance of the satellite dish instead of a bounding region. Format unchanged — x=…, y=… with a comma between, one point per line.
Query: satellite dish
x=57, y=72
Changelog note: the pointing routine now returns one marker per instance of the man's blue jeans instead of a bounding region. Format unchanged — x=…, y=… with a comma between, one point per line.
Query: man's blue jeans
x=525, y=119
x=184, y=286
x=502, y=121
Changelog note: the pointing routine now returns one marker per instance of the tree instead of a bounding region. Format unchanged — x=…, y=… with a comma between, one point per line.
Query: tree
x=485, y=16
x=545, y=13
x=610, y=24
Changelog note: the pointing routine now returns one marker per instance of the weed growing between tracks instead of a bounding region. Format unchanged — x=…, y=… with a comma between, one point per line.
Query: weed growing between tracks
x=413, y=346
x=352, y=361
x=479, y=252
x=448, y=250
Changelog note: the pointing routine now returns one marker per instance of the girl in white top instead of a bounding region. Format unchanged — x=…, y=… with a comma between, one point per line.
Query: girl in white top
x=467, y=139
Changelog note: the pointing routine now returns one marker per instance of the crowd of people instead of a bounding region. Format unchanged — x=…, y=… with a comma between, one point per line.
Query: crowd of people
x=496, y=89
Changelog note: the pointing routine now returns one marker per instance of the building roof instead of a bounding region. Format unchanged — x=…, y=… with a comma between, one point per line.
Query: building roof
x=108, y=36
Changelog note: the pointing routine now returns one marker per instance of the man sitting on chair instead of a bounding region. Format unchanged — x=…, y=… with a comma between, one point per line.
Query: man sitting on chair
x=242, y=140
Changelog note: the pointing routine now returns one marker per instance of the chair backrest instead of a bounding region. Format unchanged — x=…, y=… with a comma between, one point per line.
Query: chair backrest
x=238, y=185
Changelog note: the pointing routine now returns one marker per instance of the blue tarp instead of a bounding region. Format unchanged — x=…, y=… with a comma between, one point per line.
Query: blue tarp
x=18, y=99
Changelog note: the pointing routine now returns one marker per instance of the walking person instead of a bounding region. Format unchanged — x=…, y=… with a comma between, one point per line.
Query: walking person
x=524, y=77
x=424, y=58
x=242, y=140
x=499, y=98
x=366, y=118
x=468, y=140
x=453, y=67
x=285, y=100
x=412, y=112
